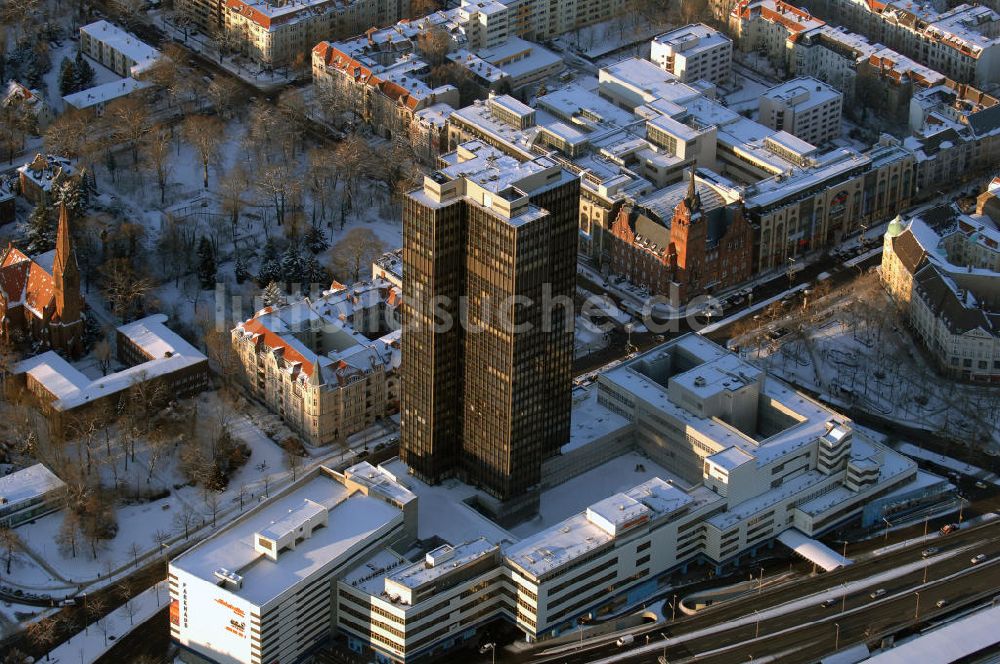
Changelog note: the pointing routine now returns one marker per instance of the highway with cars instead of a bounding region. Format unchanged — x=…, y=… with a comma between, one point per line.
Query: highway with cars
x=795, y=621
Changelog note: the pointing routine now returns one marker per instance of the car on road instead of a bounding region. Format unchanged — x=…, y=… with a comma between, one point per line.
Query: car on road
x=980, y=484
x=827, y=603
x=978, y=559
x=929, y=551
x=875, y=594
x=949, y=528
x=941, y=603
x=626, y=640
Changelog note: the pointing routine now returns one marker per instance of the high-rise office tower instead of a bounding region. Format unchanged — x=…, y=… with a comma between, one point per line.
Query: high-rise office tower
x=489, y=269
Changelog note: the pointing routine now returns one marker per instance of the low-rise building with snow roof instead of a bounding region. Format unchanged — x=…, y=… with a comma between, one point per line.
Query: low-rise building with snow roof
x=99, y=96
x=29, y=493
x=311, y=362
x=158, y=362
x=38, y=176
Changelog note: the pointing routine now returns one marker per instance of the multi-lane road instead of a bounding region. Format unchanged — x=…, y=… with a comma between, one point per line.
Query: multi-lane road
x=789, y=623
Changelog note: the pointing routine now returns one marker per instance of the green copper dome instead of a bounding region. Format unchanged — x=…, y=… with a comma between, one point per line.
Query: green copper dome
x=896, y=226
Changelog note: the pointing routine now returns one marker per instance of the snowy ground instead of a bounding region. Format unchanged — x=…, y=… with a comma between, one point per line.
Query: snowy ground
x=89, y=645
x=853, y=349
x=600, y=39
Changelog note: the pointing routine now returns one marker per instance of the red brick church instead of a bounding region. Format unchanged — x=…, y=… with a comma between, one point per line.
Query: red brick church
x=690, y=240
x=40, y=298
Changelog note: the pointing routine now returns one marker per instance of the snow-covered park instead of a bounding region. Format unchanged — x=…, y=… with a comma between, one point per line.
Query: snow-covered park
x=853, y=349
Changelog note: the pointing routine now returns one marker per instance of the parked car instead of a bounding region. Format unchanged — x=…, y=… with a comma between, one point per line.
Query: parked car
x=929, y=551
x=978, y=559
x=980, y=484
x=877, y=593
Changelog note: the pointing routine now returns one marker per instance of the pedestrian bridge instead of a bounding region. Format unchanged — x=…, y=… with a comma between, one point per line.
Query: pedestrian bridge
x=813, y=550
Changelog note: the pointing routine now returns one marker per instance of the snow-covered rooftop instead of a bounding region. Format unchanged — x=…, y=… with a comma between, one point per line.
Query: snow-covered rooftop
x=167, y=351
x=596, y=526
x=691, y=39
x=123, y=42
x=354, y=522
x=100, y=94
x=27, y=484
x=803, y=93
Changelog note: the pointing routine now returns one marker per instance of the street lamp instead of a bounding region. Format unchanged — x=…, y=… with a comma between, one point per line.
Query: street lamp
x=492, y=647
x=916, y=610
x=756, y=631
x=843, y=599
x=887, y=524
x=836, y=638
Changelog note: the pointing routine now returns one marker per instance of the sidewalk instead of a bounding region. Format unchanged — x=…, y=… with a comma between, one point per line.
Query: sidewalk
x=88, y=646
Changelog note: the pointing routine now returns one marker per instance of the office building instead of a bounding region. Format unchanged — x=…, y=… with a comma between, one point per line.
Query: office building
x=694, y=52
x=479, y=398
x=804, y=107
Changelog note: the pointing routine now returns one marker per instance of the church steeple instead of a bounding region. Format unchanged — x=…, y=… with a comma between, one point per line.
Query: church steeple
x=66, y=274
x=693, y=200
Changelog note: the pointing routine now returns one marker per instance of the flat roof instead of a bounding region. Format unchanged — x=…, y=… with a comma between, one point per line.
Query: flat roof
x=100, y=94
x=28, y=483
x=354, y=520
x=124, y=42
x=803, y=93
x=420, y=573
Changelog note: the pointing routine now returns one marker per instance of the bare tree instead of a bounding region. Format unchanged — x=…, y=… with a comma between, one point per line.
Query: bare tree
x=213, y=503
x=43, y=633
x=11, y=543
x=123, y=286
x=434, y=44
x=160, y=538
x=292, y=452
x=224, y=92
x=358, y=248
x=130, y=116
x=127, y=596
x=204, y=133
x=69, y=532
x=102, y=352
x=156, y=153
x=185, y=520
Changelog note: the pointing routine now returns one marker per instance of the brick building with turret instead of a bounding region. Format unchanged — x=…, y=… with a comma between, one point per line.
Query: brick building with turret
x=692, y=238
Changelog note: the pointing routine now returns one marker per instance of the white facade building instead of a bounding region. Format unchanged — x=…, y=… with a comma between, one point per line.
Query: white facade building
x=259, y=589
x=694, y=52
x=120, y=51
x=804, y=107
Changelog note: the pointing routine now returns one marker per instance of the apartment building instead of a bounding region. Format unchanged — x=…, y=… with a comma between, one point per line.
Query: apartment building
x=204, y=15
x=29, y=493
x=962, y=42
x=489, y=23
x=259, y=589
x=480, y=399
x=770, y=27
x=278, y=33
x=312, y=363
x=388, y=94
x=694, y=52
x=947, y=284
x=119, y=51
x=804, y=107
